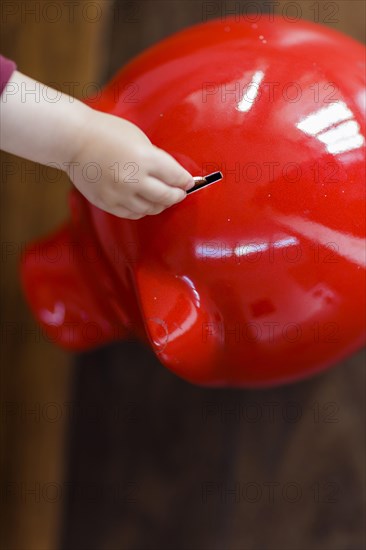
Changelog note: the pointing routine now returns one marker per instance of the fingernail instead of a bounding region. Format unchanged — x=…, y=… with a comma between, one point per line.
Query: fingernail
x=190, y=185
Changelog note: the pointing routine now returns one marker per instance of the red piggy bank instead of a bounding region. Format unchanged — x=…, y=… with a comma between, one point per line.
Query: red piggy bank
x=254, y=280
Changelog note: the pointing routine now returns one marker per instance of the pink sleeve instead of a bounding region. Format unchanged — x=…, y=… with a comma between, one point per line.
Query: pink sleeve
x=7, y=67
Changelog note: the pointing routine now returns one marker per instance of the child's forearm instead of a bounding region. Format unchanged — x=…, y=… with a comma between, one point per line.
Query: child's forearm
x=39, y=123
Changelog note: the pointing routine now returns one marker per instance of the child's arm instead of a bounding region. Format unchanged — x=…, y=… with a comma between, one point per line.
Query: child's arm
x=110, y=160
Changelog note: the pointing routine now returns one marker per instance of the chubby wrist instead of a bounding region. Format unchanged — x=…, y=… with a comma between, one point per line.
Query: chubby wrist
x=76, y=132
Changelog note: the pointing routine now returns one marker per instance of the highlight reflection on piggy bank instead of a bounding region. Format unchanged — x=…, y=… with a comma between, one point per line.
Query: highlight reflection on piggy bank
x=254, y=280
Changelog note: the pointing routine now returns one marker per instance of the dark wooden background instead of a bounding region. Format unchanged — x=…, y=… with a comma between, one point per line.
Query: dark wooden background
x=130, y=457
x=158, y=464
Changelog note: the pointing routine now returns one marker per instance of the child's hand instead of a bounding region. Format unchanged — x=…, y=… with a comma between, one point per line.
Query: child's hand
x=117, y=168
x=111, y=161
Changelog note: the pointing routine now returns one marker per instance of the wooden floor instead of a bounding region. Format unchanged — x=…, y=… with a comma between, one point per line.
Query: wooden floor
x=158, y=464
x=108, y=450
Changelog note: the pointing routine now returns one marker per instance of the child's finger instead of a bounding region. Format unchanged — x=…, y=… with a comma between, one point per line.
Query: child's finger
x=165, y=168
x=139, y=205
x=155, y=209
x=159, y=193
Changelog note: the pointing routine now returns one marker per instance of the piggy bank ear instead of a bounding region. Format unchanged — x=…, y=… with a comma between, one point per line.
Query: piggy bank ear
x=61, y=287
x=180, y=322
x=69, y=286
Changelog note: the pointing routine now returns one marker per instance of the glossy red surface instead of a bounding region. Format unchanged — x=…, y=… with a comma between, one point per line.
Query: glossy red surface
x=255, y=280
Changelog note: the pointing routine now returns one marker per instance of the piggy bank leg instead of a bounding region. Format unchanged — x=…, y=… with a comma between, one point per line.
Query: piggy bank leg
x=176, y=316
